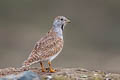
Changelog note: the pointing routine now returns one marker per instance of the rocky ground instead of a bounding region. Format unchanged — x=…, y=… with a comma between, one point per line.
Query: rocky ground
x=60, y=74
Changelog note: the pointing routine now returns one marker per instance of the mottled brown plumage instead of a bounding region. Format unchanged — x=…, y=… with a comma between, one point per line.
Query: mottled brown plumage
x=49, y=46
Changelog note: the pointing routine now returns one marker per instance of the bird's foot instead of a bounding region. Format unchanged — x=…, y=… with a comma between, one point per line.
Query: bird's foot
x=52, y=70
x=43, y=70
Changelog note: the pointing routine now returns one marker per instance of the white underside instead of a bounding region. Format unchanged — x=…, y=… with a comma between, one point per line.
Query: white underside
x=54, y=56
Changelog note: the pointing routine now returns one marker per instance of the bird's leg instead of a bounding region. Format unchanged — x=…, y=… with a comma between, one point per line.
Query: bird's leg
x=50, y=67
x=43, y=69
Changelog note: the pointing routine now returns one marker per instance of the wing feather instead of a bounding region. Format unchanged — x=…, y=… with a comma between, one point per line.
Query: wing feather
x=47, y=46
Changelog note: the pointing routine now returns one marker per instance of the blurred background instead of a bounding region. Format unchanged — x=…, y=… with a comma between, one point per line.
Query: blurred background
x=92, y=40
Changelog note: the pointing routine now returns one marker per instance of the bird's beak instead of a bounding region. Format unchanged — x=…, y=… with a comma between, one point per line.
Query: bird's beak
x=68, y=21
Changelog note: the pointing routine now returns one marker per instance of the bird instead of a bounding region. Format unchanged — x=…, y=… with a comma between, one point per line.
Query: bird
x=49, y=46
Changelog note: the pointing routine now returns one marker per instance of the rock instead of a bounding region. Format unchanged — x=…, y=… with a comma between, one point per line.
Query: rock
x=26, y=75
x=60, y=74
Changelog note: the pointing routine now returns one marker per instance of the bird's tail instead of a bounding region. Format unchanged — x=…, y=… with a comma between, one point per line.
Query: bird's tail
x=29, y=62
x=25, y=64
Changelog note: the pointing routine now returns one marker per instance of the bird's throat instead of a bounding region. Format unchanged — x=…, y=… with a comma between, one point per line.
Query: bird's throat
x=59, y=31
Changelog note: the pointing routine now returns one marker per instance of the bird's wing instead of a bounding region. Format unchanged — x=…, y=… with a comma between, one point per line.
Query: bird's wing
x=45, y=47
x=48, y=46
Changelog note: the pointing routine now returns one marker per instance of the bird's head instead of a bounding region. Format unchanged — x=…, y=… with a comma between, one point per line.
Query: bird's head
x=60, y=22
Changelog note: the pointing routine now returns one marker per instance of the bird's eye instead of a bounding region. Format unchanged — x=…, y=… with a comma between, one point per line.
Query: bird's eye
x=61, y=19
